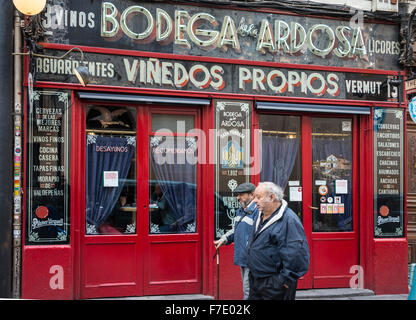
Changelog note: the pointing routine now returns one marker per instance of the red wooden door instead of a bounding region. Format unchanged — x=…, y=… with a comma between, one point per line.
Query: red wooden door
x=172, y=214
x=331, y=197
x=137, y=249
x=315, y=159
x=110, y=240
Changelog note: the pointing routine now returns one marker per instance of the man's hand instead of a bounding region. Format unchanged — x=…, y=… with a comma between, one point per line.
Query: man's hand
x=218, y=243
x=286, y=286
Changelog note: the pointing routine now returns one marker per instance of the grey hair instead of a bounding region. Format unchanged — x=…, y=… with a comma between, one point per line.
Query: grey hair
x=274, y=189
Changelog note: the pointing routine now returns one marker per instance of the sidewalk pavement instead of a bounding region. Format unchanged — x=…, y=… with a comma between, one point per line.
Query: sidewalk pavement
x=345, y=294
x=310, y=294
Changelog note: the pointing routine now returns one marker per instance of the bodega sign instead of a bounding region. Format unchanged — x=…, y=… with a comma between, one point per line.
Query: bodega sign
x=272, y=36
x=235, y=34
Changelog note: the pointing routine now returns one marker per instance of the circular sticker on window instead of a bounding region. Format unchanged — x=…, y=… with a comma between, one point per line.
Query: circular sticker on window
x=323, y=190
x=323, y=199
x=330, y=199
x=42, y=212
x=384, y=210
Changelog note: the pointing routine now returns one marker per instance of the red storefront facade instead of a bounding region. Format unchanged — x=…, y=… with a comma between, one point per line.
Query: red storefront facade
x=231, y=96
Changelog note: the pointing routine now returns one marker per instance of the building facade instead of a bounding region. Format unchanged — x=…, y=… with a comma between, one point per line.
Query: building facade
x=411, y=192
x=6, y=161
x=410, y=7
x=129, y=179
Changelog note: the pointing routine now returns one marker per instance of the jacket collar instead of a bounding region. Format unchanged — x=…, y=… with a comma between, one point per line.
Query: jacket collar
x=273, y=219
x=251, y=206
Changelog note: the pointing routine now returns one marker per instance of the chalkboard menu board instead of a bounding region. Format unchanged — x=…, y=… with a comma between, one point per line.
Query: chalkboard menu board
x=232, y=166
x=47, y=183
x=388, y=172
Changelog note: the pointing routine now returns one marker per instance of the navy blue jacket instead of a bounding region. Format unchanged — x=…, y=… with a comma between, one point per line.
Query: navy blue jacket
x=280, y=247
x=243, y=227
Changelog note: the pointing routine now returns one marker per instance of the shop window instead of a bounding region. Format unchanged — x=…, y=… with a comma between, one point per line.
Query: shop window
x=111, y=118
x=172, y=122
x=281, y=161
x=173, y=176
x=332, y=175
x=110, y=170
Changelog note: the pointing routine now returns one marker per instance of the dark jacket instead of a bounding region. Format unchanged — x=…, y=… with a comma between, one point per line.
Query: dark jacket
x=243, y=227
x=280, y=247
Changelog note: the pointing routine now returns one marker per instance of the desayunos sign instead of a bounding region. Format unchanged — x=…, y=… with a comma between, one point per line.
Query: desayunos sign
x=179, y=29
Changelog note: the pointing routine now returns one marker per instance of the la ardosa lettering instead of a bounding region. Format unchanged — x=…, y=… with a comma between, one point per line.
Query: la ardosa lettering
x=275, y=36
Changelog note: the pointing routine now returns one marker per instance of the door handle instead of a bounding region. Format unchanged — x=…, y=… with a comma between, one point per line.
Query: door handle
x=313, y=208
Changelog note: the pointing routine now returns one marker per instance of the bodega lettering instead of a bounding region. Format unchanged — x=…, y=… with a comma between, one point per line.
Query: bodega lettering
x=182, y=29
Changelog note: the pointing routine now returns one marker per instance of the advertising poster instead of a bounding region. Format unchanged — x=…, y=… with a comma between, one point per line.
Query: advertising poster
x=388, y=172
x=232, y=159
x=47, y=187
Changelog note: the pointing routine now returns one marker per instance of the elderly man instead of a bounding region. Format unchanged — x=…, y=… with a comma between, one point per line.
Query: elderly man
x=278, y=253
x=243, y=227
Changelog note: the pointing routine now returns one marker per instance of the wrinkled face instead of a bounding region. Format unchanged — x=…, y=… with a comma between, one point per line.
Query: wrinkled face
x=244, y=199
x=263, y=200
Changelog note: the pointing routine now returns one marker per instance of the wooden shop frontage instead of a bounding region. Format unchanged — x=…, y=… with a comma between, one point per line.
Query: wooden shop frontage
x=130, y=179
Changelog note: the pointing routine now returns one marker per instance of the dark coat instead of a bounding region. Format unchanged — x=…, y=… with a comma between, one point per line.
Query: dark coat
x=279, y=248
x=243, y=227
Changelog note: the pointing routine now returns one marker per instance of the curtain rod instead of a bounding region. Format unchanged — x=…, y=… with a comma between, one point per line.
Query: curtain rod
x=314, y=134
x=109, y=131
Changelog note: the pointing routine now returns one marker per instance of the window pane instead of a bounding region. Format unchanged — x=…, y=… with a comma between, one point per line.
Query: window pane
x=281, y=161
x=172, y=122
x=332, y=174
x=173, y=189
x=110, y=173
x=111, y=118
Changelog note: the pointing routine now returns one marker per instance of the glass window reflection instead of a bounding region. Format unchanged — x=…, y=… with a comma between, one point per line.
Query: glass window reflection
x=110, y=171
x=173, y=188
x=281, y=156
x=332, y=175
